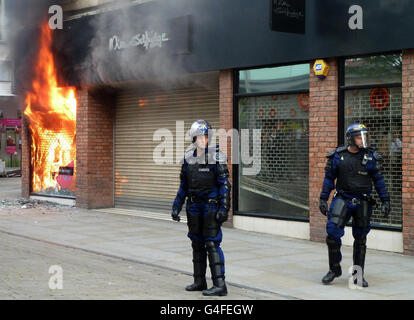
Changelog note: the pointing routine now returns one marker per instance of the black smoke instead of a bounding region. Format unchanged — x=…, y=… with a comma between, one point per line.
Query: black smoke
x=23, y=22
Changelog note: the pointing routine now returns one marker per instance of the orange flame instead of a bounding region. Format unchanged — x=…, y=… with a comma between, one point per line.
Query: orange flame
x=142, y=102
x=52, y=114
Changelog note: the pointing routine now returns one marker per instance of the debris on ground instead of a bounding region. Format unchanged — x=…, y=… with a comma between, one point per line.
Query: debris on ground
x=23, y=203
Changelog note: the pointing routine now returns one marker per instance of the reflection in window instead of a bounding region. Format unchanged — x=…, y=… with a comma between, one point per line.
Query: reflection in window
x=281, y=187
x=380, y=110
x=5, y=71
x=285, y=78
x=373, y=70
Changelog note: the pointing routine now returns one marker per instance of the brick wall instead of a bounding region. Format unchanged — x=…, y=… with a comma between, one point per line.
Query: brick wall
x=94, y=154
x=323, y=123
x=408, y=151
x=226, y=121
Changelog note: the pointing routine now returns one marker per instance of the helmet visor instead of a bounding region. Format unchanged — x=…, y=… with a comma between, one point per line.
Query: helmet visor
x=361, y=140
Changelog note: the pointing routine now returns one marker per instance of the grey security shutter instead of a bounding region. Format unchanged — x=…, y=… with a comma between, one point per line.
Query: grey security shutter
x=139, y=182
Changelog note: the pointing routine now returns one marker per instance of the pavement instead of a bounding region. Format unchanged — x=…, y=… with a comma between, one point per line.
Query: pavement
x=28, y=267
x=258, y=266
x=10, y=188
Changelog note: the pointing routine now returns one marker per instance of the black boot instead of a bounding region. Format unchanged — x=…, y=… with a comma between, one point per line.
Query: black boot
x=334, y=253
x=360, y=250
x=218, y=289
x=198, y=285
x=200, y=266
x=219, y=285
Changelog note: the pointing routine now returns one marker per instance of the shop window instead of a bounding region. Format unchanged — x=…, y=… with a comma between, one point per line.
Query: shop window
x=286, y=78
x=373, y=70
x=380, y=109
x=281, y=188
x=5, y=71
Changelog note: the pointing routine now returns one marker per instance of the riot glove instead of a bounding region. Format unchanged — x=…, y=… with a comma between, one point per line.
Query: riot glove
x=175, y=215
x=323, y=206
x=222, y=215
x=386, y=208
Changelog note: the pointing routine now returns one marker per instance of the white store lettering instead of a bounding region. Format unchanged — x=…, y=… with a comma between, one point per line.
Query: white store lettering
x=148, y=40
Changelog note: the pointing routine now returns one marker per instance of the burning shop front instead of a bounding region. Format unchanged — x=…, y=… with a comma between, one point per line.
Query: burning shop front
x=51, y=114
x=47, y=104
x=95, y=140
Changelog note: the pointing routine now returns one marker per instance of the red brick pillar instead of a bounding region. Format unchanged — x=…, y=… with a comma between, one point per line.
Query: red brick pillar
x=25, y=165
x=408, y=151
x=94, y=149
x=323, y=131
x=226, y=121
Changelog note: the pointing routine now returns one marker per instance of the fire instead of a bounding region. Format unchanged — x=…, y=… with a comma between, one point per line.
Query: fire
x=121, y=180
x=52, y=114
x=142, y=102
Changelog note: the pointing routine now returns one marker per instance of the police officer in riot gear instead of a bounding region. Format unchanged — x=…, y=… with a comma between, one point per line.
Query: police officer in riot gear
x=204, y=181
x=354, y=167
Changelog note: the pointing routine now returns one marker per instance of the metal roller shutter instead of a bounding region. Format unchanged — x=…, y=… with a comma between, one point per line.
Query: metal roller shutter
x=139, y=182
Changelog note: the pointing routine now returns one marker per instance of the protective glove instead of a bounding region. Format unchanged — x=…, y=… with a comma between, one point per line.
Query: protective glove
x=323, y=206
x=175, y=215
x=222, y=215
x=386, y=208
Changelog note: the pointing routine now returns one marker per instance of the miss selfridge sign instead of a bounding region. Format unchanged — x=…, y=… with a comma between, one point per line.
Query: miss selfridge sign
x=147, y=40
x=168, y=36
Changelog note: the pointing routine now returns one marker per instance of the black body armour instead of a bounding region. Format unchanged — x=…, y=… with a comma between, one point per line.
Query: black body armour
x=201, y=178
x=353, y=176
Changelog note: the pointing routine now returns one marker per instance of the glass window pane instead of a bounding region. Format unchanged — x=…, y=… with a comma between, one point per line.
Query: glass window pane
x=373, y=70
x=281, y=185
x=380, y=110
x=285, y=78
x=5, y=71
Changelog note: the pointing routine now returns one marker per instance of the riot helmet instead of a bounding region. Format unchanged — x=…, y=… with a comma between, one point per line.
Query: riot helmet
x=356, y=130
x=200, y=128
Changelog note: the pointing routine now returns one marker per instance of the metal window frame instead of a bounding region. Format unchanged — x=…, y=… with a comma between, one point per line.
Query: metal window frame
x=236, y=97
x=342, y=88
x=235, y=167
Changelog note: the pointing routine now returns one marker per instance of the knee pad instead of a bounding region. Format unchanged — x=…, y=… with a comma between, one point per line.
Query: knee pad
x=211, y=246
x=198, y=246
x=334, y=231
x=360, y=240
x=331, y=241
